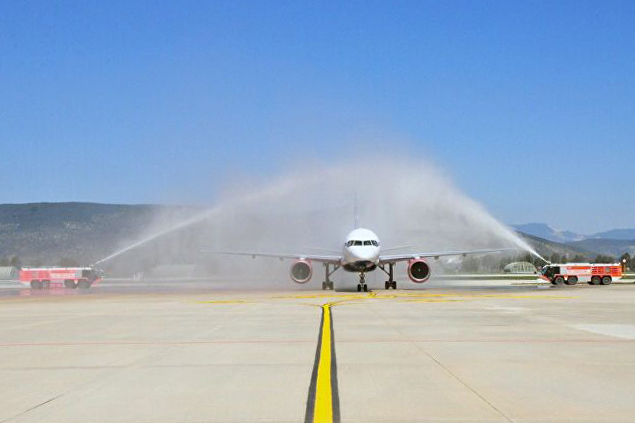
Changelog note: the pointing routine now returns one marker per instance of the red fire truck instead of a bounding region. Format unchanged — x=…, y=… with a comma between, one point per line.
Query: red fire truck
x=572, y=273
x=57, y=277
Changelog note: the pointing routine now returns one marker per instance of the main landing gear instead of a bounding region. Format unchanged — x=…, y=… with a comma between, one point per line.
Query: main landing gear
x=328, y=283
x=390, y=283
x=361, y=286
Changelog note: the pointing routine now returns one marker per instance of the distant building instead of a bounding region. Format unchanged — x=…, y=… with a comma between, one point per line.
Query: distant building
x=520, y=267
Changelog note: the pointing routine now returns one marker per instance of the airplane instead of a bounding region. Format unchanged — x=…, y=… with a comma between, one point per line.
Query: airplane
x=361, y=253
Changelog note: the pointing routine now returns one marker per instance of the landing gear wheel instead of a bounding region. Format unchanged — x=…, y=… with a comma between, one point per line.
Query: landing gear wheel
x=330, y=285
x=323, y=286
x=394, y=284
x=362, y=283
x=595, y=280
x=388, y=285
x=606, y=280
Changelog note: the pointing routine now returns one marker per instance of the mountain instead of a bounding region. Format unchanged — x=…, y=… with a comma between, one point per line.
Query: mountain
x=611, y=247
x=44, y=233
x=547, y=248
x=614, y=242
x=544, y=231
x=622, y=234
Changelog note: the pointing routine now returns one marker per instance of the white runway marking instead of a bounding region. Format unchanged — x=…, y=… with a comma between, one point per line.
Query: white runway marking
x=617, y=331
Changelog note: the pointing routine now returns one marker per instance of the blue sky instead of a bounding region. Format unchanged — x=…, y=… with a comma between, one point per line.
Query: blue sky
x=529, y=106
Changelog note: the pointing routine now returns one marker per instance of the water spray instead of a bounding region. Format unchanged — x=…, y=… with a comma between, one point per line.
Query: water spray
x=405, y=203
x=525, y=246
x=208, y=214
x=181, y=225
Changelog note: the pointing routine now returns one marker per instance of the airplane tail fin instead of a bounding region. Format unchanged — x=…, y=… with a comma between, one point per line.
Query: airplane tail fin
x=356, y=209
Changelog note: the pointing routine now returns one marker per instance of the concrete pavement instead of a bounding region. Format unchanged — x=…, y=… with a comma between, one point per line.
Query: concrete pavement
x=441, y=353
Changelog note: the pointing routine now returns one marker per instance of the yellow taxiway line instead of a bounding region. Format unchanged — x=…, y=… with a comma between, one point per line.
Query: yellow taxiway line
x=323, y=400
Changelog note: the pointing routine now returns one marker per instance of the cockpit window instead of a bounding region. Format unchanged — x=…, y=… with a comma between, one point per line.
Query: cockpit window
x=359, y=243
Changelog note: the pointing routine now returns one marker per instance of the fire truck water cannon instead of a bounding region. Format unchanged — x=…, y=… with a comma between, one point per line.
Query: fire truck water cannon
x=572, y=273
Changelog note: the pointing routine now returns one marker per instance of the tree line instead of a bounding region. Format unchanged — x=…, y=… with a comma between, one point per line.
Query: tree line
x=580, y=258
x=494, y=264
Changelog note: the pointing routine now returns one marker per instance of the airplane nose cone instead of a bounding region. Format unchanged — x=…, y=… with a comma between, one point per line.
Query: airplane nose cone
x=366, y=254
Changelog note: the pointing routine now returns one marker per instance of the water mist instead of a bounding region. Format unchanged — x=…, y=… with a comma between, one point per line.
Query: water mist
x=405, y=202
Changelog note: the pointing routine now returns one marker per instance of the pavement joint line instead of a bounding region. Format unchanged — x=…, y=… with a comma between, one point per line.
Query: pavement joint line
x=225, y=302
x=462, y=382
x=284, y=341
x=33, y=408
x=150, y=343
x=110, y=367
x=445, y=368
x=323, y=403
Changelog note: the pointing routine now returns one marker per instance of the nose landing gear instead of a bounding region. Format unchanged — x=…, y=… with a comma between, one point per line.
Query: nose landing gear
x=361, y=286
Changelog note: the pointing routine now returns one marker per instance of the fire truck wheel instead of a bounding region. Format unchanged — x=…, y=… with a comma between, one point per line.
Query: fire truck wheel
x=559, y=280
x=606, y=280
x=36, y=285
x=595, y=280
x=69, y=284
x=83, y=284
x=572, y=280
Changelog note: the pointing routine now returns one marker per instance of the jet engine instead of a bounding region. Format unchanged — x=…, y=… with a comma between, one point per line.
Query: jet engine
x=301, y=271
x=418, y=270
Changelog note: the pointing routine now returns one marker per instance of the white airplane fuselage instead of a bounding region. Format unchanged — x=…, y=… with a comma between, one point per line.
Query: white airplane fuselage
x=361, y=251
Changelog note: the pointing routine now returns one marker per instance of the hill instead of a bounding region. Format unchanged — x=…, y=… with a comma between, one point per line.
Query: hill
x=546, y=232
x=611, y=247
x=620, y=234
x=547, y=248
x=614, y=242
x=44, y=233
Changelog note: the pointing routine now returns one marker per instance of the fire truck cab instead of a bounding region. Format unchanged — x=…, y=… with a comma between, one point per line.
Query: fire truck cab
x=58, y=277
x=572, y=273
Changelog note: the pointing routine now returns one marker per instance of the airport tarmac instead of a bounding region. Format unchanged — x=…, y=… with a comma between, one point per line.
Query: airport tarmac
x=480, y=351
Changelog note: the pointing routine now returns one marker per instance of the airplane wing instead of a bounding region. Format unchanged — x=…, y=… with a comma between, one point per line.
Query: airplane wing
x=385, y=259
x=332, y=259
